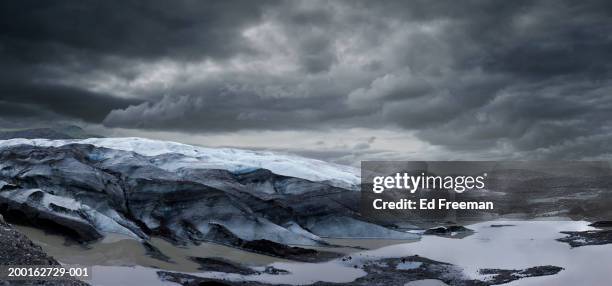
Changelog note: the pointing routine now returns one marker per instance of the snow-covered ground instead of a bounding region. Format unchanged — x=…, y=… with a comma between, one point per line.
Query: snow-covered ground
x=234, y=160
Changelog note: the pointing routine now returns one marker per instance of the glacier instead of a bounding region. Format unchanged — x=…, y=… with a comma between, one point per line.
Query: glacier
x=186, y=194
x=232, y=159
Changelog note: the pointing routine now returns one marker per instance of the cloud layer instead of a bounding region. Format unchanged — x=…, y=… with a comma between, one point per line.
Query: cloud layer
x=516, y=77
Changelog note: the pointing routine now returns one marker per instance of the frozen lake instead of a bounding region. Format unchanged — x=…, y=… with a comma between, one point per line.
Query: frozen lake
x=523, y=245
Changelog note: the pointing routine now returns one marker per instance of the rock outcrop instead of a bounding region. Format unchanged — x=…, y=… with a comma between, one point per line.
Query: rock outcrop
x=17, y=249
x=589, y=237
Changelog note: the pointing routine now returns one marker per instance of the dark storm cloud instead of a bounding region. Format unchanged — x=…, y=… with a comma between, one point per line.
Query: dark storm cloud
x=314, y=46
x=45, y=43
x=227, y=110
x=524, y=76
x=42, y=31
x=532, y=77
x=61, y=100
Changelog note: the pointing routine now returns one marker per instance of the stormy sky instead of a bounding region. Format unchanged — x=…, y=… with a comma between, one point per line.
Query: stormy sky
x=339, y=80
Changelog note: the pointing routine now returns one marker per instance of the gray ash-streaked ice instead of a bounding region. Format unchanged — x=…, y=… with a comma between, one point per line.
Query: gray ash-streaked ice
x=141, y=187
x=231, y=159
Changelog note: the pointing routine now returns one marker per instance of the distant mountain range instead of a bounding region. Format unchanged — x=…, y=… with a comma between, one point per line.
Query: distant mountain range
x=64, y=132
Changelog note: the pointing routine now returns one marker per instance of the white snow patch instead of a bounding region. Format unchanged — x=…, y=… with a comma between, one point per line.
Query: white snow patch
x=296, y=228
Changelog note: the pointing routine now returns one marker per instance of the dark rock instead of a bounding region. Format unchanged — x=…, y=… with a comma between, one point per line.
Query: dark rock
x=347, y=258
x=453, y=231
x=602, y=223
x=502, y=225
x=17, y=249
x=501, y=276
x=154, y=252
x=589, y=237
x=267, y=247
x=222, y=265
x=190, y=280
x=275, y=271
x=290, y=252
x=280, y=250
x=387, y=272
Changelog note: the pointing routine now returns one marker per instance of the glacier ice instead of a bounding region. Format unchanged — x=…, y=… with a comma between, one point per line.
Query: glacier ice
x=235, y=160
x=141, y=187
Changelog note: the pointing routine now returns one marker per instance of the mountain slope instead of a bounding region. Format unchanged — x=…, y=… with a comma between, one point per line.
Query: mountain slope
x=53, y=133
